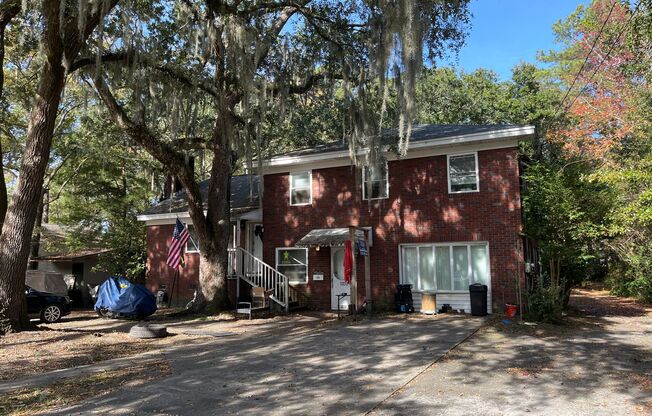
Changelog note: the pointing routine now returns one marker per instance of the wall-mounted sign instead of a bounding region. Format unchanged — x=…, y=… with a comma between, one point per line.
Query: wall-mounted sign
x=362, y=245
x=318, y=276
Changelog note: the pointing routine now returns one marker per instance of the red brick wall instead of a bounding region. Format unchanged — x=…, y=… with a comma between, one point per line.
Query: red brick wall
x=419, y=209
x=159, y=273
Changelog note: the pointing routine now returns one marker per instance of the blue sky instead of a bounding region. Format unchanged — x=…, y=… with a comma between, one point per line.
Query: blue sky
x=506, y=32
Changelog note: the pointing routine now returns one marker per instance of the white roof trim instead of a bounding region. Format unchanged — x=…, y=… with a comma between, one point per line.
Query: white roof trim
x=166, y=216
x=524, y=131
x=170, y=217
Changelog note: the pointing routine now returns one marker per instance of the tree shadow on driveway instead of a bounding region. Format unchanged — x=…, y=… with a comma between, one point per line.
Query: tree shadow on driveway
x=598, y=362
x=345, y=368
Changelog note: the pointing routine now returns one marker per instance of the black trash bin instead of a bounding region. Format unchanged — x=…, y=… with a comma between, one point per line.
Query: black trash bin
x=403, y=298
x=478, y=293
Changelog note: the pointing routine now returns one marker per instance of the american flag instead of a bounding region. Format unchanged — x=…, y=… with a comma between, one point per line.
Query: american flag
x=179, y=239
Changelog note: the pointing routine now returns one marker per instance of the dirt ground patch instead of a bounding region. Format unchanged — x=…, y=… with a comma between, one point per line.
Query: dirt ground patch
x=597, y=302
x=70, y=391
x=597, y=362
x=83, y=338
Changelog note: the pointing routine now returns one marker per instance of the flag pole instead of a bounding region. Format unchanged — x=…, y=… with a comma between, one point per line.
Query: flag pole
x=174, y=280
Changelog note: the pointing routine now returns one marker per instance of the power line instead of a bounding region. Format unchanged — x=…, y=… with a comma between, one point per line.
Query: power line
x=606, y=56
x=595, y=42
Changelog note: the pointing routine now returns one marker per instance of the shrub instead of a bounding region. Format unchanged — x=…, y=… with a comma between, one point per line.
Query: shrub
x=546, y=303
x=631, y=281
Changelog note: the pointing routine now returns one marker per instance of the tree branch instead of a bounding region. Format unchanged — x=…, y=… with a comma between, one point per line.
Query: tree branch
x=130, y=58
x=275, y=30
x=307, y=85
x=170, y=157
x=120, y=56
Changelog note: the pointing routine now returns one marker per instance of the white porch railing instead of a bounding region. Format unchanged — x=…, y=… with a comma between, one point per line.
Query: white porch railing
x=246, y=266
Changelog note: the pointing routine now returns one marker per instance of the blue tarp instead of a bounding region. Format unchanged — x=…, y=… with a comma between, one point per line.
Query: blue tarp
x=124, y=298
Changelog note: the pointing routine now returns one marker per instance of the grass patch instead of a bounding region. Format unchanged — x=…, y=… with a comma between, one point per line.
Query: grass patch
x=73, y=390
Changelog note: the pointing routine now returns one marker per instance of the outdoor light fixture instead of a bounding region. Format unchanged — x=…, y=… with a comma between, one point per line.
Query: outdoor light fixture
x=317, y=248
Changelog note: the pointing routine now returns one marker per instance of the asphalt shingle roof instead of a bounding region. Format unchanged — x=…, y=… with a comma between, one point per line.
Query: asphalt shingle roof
x=245, y=189
x=420, y=132
x=244, y=196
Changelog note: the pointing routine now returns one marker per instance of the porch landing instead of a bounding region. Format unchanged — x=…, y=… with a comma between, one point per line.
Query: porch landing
x=296, y=366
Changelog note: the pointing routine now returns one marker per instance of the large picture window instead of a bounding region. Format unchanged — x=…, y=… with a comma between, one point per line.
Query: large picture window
x=463, y=173
x=444, y=267
x=293, y=263
x=375, y=183
x=301, y=188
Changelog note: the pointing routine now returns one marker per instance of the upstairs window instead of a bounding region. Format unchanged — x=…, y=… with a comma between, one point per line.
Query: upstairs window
x=300, y=188
x=463, y=173
x=375, y=183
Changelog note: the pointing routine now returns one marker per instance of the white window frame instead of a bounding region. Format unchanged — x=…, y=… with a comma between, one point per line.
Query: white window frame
x=364, y=184
x=186, y=249
x=307, y=258
x=477, y=172
x=450, y=245
x=309, y=172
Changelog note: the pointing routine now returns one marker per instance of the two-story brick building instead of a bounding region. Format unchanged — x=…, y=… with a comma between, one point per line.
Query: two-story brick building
x=444, y=216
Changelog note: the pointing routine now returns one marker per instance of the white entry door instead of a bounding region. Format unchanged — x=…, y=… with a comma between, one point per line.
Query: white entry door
x=254, y=239
x=338, y=285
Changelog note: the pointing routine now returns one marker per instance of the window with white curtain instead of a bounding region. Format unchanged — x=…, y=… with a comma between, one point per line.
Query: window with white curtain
x=301, y=188
x=375, y=183
x=449, y=267
x=463, y=173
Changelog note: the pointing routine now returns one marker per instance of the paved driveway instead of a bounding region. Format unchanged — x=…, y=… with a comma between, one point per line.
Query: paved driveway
x=288, y=368
x=597, y=363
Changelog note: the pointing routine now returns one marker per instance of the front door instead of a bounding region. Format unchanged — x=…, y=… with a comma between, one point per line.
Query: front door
x=255, y=239
x=338, y=285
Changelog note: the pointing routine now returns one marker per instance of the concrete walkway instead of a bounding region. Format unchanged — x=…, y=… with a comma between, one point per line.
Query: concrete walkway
x=338, y=369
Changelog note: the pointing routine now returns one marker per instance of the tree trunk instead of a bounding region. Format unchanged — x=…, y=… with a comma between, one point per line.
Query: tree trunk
x=35, y=247
x=8, y=10
x=213, y=228
x=16, y=235
x=213, y=270
x=21, y=213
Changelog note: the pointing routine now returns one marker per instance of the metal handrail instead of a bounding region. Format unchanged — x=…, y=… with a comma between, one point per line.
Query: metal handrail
x=252, y=269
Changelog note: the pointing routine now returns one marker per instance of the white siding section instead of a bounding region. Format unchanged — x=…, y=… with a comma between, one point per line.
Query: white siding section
x=456, y=300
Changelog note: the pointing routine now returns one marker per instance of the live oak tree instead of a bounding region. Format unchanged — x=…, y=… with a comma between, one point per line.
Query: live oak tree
x=8, y=11
x=168, y=67
x=63, y=29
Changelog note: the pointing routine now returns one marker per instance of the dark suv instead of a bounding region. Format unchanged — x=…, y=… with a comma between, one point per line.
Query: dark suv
x=47, y=306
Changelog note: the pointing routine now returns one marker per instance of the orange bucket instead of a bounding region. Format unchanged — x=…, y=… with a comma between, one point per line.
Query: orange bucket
x=511, y=310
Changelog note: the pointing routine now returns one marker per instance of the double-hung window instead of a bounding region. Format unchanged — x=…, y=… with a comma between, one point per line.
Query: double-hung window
x=293, y=263
x=463, y=175
x=301, y=188
x=192, y=245
x=450, y=267
x=375, y=182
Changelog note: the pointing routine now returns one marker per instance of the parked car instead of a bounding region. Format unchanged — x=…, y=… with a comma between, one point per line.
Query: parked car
x=49, y=307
